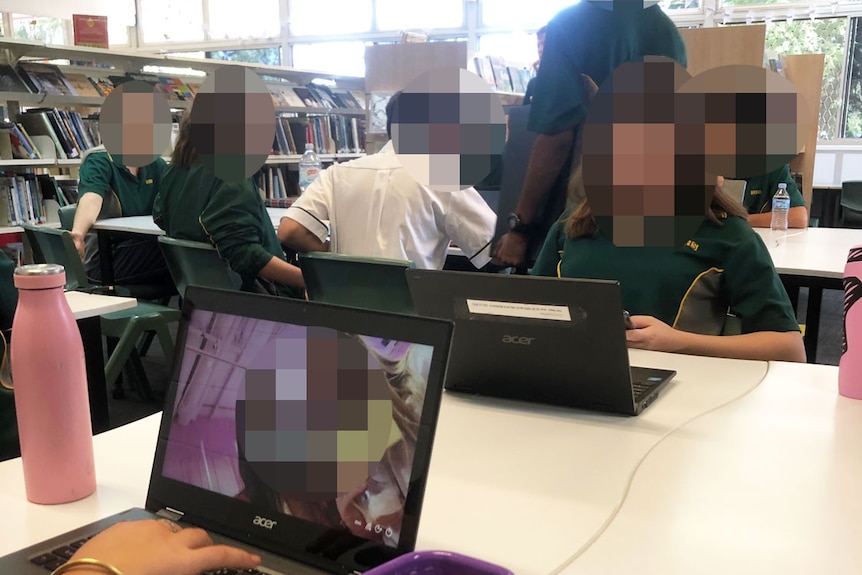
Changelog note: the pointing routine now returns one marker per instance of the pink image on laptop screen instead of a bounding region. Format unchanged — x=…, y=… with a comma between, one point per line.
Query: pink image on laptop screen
x=307, y=421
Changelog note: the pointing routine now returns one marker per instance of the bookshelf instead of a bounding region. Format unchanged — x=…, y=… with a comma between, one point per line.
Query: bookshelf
x=335, y=123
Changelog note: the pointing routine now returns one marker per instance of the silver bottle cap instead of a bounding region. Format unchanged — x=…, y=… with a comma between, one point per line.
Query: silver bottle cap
x=39, y=270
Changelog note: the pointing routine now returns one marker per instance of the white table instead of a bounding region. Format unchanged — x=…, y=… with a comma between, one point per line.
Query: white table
x=768, y=485
x=520, y=485
x=87, y=308
x=86, y=305
x=812, y=258
x=145, y=225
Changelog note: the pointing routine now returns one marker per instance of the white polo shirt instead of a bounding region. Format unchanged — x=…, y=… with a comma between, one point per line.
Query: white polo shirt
x=375, y=208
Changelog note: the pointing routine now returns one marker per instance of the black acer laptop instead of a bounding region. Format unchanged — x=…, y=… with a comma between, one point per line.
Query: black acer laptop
x=298, y=430
x=547, y=340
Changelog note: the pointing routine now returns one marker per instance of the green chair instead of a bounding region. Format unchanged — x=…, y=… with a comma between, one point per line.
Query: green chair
x=67, y=216
x=357, y=281
x=851, y=204
x=197, y=263
x=127, y=326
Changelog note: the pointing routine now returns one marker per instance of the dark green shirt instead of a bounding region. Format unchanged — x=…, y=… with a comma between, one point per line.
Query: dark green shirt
x=135, y=194
x=760, y=189
x=722, y=268
x=195, y=205
x=588, y=39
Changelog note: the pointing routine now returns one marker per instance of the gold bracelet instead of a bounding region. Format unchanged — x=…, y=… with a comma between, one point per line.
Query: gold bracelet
x=86, y=562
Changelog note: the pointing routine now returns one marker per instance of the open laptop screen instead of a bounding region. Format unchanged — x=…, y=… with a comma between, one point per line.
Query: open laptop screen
x=306, y=420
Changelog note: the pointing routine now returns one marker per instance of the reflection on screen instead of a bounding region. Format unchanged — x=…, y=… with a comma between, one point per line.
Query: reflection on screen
x=307, y=421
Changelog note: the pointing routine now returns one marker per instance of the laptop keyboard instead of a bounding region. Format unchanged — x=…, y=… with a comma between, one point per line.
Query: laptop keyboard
x=50, y=560
x=642, y=389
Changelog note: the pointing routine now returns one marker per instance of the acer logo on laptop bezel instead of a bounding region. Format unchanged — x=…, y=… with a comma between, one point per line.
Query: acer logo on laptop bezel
x=518, y=340
x=264, y=522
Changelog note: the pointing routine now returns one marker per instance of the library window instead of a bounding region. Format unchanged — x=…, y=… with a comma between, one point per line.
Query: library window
x=266, y=56
x=256, y=19
x=47, y=30
x=400, y=15
x=337, y=17
x=118, y=32
x=514, y=49
x=340, y=58
x=679, y=4
x=171, y=21
x=852, y=127
x=512, y=14
x=826, y=36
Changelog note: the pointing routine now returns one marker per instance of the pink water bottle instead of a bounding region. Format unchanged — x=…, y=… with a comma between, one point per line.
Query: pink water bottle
x=850, y=364
x=50, y=379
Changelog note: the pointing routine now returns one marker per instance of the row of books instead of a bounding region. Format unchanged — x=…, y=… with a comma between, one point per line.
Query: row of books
x=316, y=96
x=38, y=78
x=329, y=134
x=277, y=183
x=26, y=198
x=66, y=135
x=502, y=77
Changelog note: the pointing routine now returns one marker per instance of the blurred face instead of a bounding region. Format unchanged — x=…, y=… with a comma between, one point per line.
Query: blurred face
x=540, y=44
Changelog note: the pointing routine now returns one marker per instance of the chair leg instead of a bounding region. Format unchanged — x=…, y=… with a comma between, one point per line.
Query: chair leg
x=118, y=357
x=167, y=343
x=146, y=341
x=142, y=384
x=118, y=391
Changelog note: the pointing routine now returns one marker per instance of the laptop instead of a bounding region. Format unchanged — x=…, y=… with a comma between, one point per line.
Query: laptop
x=245, y=437
x=357, y=281
x=546, y=340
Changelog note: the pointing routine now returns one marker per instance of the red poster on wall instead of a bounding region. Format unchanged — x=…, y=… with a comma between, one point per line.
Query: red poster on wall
x=90, y=30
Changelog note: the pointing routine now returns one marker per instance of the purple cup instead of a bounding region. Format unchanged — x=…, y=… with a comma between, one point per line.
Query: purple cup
x=437, y=563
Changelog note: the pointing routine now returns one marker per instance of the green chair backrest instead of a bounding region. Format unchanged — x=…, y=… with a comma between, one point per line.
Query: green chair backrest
x=197, y=263
x=54, y=246
x=356, y=281
x=67, y=216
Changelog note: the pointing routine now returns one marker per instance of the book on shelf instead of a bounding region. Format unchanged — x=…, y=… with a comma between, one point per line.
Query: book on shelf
x=67, y=130
x=484, y=69
x=10, y=81
x=102, y=84
x=15, y=143
x=23, y=198
x=306, y=97
x=45, y=79
x=175, y=88
x=276, y=183
x=82, y=85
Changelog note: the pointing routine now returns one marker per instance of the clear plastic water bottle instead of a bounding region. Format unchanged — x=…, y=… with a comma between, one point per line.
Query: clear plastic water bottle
x=780, y=207
x=309, y=167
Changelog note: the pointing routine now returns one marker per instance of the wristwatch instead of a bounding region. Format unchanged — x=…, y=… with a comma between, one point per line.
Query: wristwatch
x=517, y=226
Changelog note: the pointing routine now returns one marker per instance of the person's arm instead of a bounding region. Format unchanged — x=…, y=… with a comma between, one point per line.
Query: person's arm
x=89, y=206
x=796, y=218
x=547, y=158
x=279, y=271
x=159, y=547
x=653, y=334
x=469, y=222
x=233, y=222
x=298, y=238
x=302, y=229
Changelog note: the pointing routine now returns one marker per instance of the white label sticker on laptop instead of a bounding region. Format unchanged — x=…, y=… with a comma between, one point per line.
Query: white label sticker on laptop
x=514, y=309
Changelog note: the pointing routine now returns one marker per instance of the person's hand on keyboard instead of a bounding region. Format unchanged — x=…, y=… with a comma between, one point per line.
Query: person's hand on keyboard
x=159, y=547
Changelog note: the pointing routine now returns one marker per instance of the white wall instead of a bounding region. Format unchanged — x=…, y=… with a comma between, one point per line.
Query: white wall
x=837, y=161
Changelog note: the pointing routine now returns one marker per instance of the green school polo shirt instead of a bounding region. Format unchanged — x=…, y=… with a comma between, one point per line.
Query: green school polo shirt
x=195, y=205
x=760, y=189
x=100, y=175
x=588, y=39
x=722, y=267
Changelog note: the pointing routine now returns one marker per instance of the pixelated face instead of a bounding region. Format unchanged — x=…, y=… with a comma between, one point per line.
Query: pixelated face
x=655, y=141
x=233, y=123
x=312, y=428
x=135, y=124
x=448, y=129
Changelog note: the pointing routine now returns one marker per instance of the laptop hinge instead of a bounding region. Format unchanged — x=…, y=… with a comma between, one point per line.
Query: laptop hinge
x=171, y=514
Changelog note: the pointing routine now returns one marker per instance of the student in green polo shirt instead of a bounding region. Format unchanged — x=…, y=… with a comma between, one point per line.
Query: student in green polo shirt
x=758, y=199
x=591, y=38
x=193, y=204
x=107, y=189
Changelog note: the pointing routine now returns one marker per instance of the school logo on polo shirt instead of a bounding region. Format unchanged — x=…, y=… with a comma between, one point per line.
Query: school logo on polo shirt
x=755, y=192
